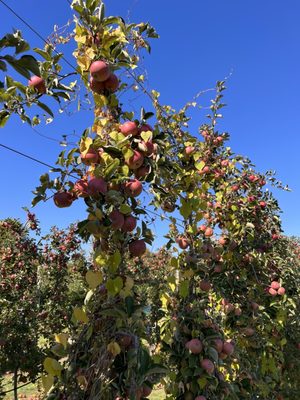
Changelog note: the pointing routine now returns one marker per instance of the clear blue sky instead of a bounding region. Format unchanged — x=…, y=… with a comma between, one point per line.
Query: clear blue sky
x=201, y=42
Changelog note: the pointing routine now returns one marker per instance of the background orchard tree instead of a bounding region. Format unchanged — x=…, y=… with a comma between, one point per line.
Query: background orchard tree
x=41, y=282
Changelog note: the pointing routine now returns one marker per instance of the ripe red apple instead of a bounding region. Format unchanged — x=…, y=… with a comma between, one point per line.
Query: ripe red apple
x=263, y=204
x=129, y=224
x=194, y=345
x=137, y=248
x=125, y=341
x=254, y=306
x=91, y=157
x=275, y=285
x=189, y=150
x=272, y=292
x=145, y=128
x=96, y=186
x=205, y=286
x=225, y=163
x=281, y=291
x=218, y=344
x=135, y=161
x=81, y=188
x=208, y=366
x=142, y=171
x=238, y=312
x=129, y=128
x=133, y=188
x=146, y=147
x=146, y=391
x=63, y=199
x=117, y=219
x=208, y=232
x=96, y=86
x=112, y=83
x=38, y=84
x=222, y=240
x=249, y=332
x=182, y=242
x=228, y=348
x=100, y=71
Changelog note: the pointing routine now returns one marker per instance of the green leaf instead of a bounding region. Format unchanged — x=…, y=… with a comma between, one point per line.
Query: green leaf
x=125, y=209
x=184, y=289
x=186, y=209
x=200, y=165
x=45, y=108
x=4, y=116
x=43, y=53
x=3, y=66
x=30, y=63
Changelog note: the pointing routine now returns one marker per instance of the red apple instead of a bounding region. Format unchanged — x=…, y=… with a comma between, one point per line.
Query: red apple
x=195, y=346
x=96, y=86
x=137, y=248
x=135, y=161
x=129, y=224
x=146, y=391
x=38, y=84
x=117, y=219
x=208, y=232
x=142, y=171
x=145, y=128
x=63, y=199
x=249, y=332
x=129, y=128
x=272, y=292
x=228, y=348
x=146, y=147
x=275, y=285
x=112, y=83
x=208, y=366
x=96, y=186
x=200, y=398
x=81, y=188
x=218, y=344
x=205, y=286
x=133, y=188
x=281, y=291
x=183, y=242
x=100, y=71
x=189, y=150
x=91, y=157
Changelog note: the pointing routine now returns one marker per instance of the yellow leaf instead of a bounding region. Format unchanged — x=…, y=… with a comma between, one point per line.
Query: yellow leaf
x=129, y=283
x=80, y=315
x=62, y=338
x=81, y=379
x=85, y=144
x=93, y=279
x=114, y=348
x=47, y=381
x=52, y=366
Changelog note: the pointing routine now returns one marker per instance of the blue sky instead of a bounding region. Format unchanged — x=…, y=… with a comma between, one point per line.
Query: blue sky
x=200, y=42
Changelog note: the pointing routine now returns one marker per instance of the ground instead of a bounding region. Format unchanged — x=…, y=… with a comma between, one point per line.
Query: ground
x=30, y=390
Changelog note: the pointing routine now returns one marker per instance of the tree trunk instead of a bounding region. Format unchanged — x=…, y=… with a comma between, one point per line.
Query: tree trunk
x=16, y=384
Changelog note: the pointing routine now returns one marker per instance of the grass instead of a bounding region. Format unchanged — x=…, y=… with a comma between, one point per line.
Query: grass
x=29, y=390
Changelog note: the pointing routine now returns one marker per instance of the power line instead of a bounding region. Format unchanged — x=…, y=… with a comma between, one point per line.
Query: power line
x=35, y=32
x=32, y=158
